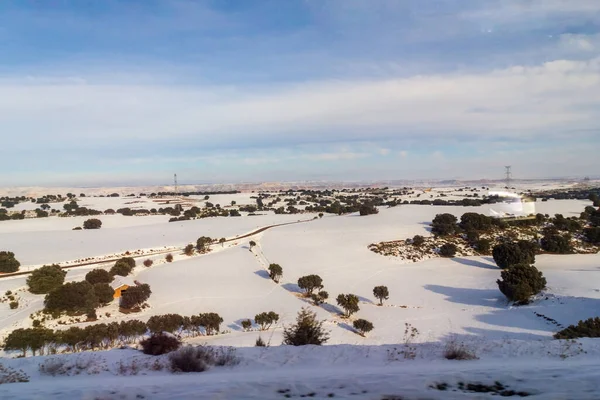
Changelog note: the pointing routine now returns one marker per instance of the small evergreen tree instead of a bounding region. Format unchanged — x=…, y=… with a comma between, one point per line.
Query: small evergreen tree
x=362, y=326
x=45, y=279
x=120, y=268
x=559, y=244
x=160, y=343
x=520, y=282
x=77, y=297
x=381, y=293
x=203, y=244
x=444, y=225
x=275, y=272
x=483, y=246
x=319, y=298
x=349, y=302
x=148, y=263
x=307, y=330
x=8, y=262
x=169, y=258
x=309, y=283
x=589, y=328
x=260, y=342
x=222, y=241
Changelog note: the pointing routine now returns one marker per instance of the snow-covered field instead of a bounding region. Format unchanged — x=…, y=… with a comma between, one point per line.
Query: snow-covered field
x=443, y=299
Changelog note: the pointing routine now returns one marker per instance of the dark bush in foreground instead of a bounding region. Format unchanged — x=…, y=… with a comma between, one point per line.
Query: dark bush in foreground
x=520, y=282
x=455, y=350
x=92, y=223
x=306, y=330
x=260, y=342
x=98, y=276
x=188, y=359
x=509, y=254
x=448, y=250
x=589, y=328
x=169, y=258
x=46, y=279
x=8, y=262
x=148, y=263
x=362, y=326
x=160, y=343
x=558, y=244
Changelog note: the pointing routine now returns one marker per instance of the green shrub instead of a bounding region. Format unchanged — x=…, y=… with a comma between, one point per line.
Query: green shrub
x=266, y=319
x=135, y=296
x=589, y=328
x=92, y=223
x=381, y=293
x=104, y=292
x=349, y=302
x=509, y=254
x=275, y=272
x=307, y=330
x=45, y=279
x=520, y=282
x=121, y=268
x=98, y=276
x=160, y=343
x=444, y=224
x=483, y=246
x=13, y=305
x=418, y=240
x=8, y=262
x=448, y=250
x=72, y=297
x=362, y=326
x=592, y=235
x=559, y=244
x=310, y=283
x=169, y=257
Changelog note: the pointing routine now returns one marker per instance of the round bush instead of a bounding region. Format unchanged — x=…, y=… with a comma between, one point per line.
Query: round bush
x=448, y=250
x=160, y=343
x=92, y=223
x=45, y=279
x=520, y=282
x=509, y=254
x=98, y=276
x=8, y=262
x=557, y=244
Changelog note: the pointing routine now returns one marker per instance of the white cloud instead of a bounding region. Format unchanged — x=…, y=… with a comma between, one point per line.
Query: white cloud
x=520, y=101
x=403, y=153
x=580, y=43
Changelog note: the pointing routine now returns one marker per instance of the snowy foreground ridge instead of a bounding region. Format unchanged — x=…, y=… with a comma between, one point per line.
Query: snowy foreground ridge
x=537, y=370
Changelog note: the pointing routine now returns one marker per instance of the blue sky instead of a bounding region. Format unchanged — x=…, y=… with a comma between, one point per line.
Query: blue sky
x=109, y=92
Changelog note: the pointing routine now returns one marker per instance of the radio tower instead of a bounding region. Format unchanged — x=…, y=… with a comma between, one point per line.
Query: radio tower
x=176, y=187
x=508, y=176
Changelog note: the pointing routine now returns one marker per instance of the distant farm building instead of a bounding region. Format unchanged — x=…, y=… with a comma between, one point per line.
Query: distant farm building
x=120, y=285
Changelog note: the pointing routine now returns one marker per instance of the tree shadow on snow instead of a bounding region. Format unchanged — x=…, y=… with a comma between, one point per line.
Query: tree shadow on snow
x=236, y=325
x=262, y=273
x=292, y=287
x=474, y=263
x=330, y=308
x=346, y=326
x=427, y=226
x=365, y=300
x=472, y=297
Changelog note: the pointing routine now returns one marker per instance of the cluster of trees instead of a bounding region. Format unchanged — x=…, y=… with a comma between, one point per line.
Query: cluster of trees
x=123, y=266
x=8, y=262
x=104, y=336
x=202, y=324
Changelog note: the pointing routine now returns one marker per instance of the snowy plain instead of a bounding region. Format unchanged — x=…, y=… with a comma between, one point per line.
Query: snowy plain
x=443, y=299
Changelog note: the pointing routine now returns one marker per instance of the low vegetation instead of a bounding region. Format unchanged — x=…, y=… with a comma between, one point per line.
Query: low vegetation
x=362, y=326
x=45, y=279
x=92, y=223
x=8, y=262
x=160, y=343
x=589, y=328
x=307, y=330
x=520, y=282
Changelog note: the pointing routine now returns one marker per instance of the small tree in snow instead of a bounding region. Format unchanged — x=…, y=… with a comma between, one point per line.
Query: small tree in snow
x=252, y=243
x=349, y=302
x=362, y=326
x=381, y=293
x=266, y=319
x=246, y=324
x=309, y=283
x=319, y=298
x=188, y=250
x=275, y=272
x=222, y=241
x=306, y=330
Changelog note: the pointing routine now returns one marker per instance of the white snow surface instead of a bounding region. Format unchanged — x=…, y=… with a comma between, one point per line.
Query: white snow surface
x=443, y=299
